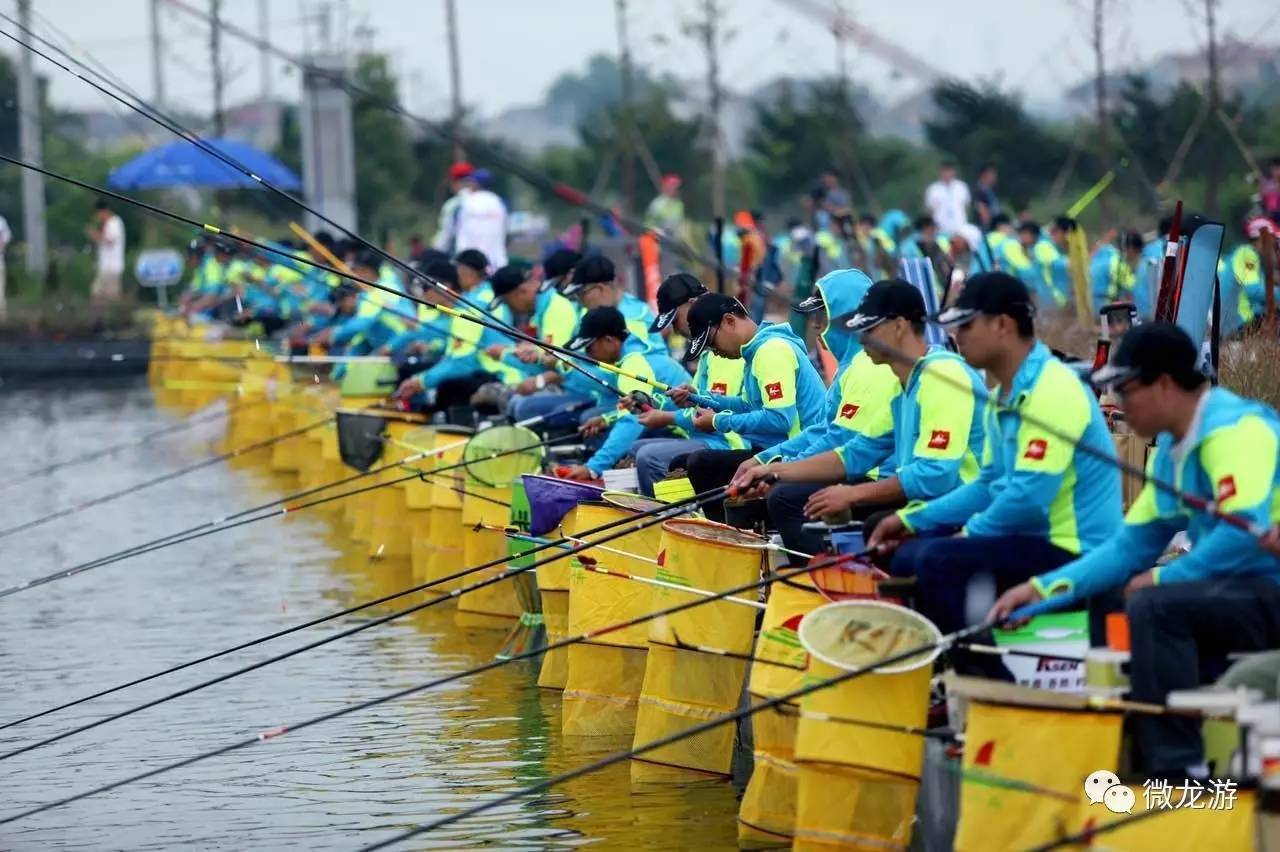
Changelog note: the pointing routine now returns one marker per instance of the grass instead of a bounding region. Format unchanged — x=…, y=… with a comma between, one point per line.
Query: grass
x=1250, y=366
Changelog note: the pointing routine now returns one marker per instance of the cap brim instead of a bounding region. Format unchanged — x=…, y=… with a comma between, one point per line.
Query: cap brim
x=811, y=304
x=663, y=320
x=954, y=316
x=1112, y=375
x=859, y=323
x=547, y=284
x=571, y=288
x=579, y=343
x=698, y=344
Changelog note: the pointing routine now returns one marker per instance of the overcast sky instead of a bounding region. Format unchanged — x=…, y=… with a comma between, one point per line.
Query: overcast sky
x=512, y=49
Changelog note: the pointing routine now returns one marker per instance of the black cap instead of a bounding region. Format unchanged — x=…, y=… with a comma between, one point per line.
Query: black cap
x=599, y=322
x=705, y=315
x=677, y=289
x=560, y=262
x=885, y=300
x=346, y=288
x=991, y=293
x=441, y=270
x=474, y=259
x=1148, y=352
x=814, y=302
x=596, y=269
x=507, y=279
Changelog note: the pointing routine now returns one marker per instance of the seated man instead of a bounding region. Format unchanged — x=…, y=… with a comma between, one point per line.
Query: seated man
x=937, y=419
x=1220, y=451
x=1049, y=488
x=604, y=336
x=426, y=340
x=716, y=375
x=593, y=284
x=781, y=391
x=369, y=327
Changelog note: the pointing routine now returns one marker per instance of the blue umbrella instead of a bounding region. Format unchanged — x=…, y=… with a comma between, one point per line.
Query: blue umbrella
x=182, y=163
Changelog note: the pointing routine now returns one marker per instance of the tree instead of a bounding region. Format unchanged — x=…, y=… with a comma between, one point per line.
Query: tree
x=384, y=161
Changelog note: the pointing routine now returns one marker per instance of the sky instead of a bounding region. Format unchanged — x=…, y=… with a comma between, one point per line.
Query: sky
x=514, y=49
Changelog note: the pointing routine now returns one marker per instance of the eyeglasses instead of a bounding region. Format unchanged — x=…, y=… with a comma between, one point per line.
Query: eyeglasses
x=1127, y=388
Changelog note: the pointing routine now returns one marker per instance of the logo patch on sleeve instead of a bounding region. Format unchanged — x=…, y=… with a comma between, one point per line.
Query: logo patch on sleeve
x=774, y=390
x=720, y=388
x=940, y=439
x=848, y=410
x=1226, y=488
x=1036, y=449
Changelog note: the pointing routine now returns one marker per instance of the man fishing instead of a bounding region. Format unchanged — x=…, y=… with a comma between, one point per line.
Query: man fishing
x=594, y=284
x=937, y=432
x=1221, y=597
x=1040, y=501
x=781, y=390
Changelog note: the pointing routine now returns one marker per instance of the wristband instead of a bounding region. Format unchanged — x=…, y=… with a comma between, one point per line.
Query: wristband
x=540, y=382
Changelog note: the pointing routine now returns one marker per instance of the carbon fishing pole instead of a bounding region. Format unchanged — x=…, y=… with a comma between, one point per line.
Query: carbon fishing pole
x=141, y=440
x=168, y=477
x=217, y=524
x=641, y=520
x=320, y=620
x=154, y=114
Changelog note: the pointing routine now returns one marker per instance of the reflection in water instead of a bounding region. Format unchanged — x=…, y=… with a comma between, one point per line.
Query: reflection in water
x=335, y=786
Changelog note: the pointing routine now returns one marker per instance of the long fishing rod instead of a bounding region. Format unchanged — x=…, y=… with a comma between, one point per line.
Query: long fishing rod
x=218, y=524
x=138, y=441
x=167, y=477
x=154, y=114
x=446, y=679
x=322, y=619
x=685, y=733
x=641, y=521
x=499, y=159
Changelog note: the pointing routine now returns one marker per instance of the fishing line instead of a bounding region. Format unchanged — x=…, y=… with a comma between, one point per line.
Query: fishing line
x=171, y=475
x=647, y=519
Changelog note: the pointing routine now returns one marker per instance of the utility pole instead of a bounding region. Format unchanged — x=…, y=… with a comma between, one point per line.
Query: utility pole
x=627, y=146
x=711, y=44
x=215, y=58
x=837, y=30
x=31, y=146
x=455, y=80
x=264, y=59
x=1214, y=95
x=157, y=57
x=1098, y=41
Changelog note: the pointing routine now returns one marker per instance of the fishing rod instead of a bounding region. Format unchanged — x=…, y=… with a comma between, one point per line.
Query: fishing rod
x=702, y=727
x=499, y=159
x=489, y=666
x=217, y=524
x=140, y=440
x=154, y=114
x=642, y=519
x=167, y=477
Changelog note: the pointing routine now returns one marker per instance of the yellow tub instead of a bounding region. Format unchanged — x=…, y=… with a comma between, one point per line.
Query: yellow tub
x=496, y=605
x=442, y=554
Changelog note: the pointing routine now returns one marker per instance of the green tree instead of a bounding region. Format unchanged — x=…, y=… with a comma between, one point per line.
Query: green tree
x=384, y=161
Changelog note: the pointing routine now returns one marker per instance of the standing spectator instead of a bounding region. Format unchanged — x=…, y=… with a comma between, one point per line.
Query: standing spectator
x=1269, y=191
x=5, y=236
x=985, y=203
x=107, y=233
x=446, y=227
x=482, y=221
x=666, y=211
x=948, y=199
x=835, y=198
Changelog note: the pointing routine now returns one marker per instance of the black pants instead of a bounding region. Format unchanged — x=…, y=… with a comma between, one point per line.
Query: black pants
x=1173, y=629
x=708, y=469
x=786, y=514
x=457, y=392
x=945, y=568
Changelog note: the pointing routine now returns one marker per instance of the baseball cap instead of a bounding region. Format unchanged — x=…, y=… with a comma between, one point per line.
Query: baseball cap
x=671, y=178
x=603, y=321
x=1148, y=352
x=990, y=293
x=885, y=300
x=474, y=259
x=707, y=313
x=484, y=177
x=596, y=269
x=677, y=289
x=441, y=270
x=507, y=279
x=557, y=265
x=460, y=170
x=346, y=288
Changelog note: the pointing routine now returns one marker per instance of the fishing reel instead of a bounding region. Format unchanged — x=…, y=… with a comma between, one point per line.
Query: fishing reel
x=638, y=401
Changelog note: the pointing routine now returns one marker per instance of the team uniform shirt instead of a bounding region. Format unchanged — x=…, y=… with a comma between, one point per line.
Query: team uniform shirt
x=1146, y=275
x=1033, y=480
x=1110, y=278
x=639, y=318
x=720, y=377
x=637, y=359
x=554, y=319
x=780, y=390
x=1245, y=268
x=1049, y=279
x=937, y=434
x=860, y=396
x=468, y=341
x=1228, y=457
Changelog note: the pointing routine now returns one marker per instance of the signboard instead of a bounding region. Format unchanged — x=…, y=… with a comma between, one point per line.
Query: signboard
x=158, y=267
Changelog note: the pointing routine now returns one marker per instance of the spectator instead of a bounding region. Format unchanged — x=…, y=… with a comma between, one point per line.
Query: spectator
x=5, y=236
x=835, y=198
x=1269, y=190
x=985, y=203
x=446, y=228
x=948, y=199
x=666, y=211
x=107, y=233
x=481, y=221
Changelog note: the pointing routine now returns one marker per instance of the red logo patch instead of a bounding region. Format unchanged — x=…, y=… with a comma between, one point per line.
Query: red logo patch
x=1226, y=488
x=1036, y=449
x=720, y=388
x=774, y=390
x=848, y=410
x=940, y=439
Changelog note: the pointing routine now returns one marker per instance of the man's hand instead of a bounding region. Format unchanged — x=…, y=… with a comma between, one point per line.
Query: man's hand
x=1271, y=541
x=593, y=427
x=322, y=339
x=495, y=350
x=1020, y=595
x=705, y=420
x=680, y=395
x=528, y=386
x=528, y=353
x=888, y=534
x=1146, y=578
x=656, y=418
x=419, y=346
x=744, y=467
x=832, y=499
x=409, y=387
x=751, y=482
x=581, y=473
